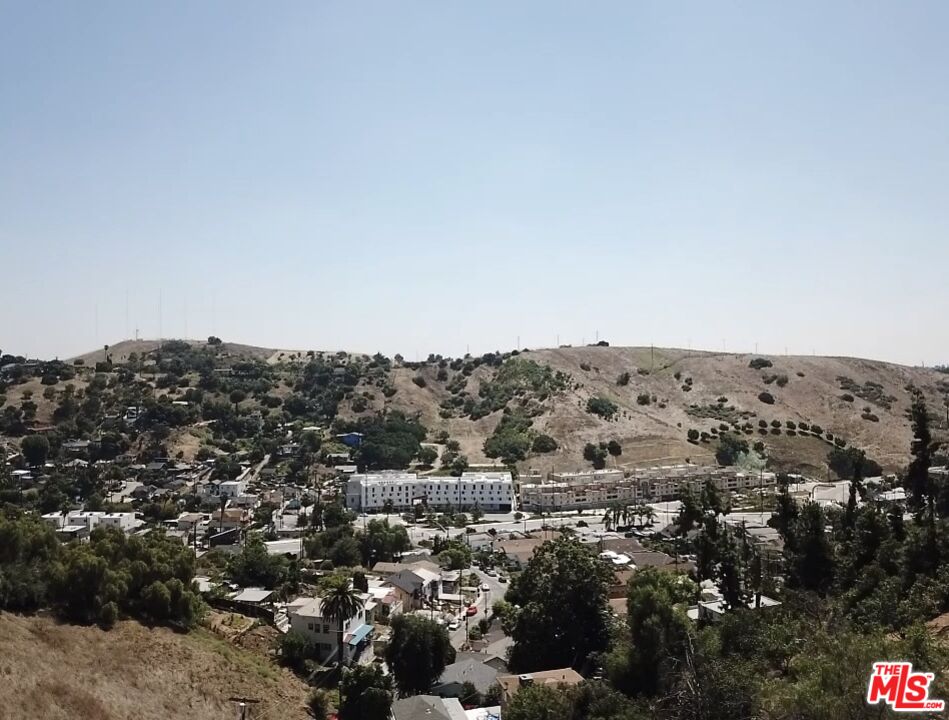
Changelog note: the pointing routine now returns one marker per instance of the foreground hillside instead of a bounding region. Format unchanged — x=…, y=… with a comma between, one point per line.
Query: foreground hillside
x=64, y=672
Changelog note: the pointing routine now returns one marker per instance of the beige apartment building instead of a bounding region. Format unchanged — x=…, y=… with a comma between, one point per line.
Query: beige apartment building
x=602, y=488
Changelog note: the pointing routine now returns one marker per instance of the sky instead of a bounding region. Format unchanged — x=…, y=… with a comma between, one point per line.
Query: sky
x=439, y=177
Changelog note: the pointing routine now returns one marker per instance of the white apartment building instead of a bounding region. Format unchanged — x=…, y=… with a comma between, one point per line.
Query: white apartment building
x=306, y=617
x=492, y=491
x=88, y=520
x=599, y=489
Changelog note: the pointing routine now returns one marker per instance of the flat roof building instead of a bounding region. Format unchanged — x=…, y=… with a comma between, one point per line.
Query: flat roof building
x=374, y=491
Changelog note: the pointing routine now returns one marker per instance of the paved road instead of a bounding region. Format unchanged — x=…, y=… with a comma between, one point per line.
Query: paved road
x=485, y=600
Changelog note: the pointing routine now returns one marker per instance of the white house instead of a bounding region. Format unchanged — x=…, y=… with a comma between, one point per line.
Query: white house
x=306, y=617
x=489, y=491
x=126, y=522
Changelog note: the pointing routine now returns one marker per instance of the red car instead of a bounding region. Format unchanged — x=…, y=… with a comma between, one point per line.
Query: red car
x=472, y=610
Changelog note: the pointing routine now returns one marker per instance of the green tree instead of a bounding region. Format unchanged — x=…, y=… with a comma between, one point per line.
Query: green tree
x=360, y=581
x=345, y=552
x=418, y=651
x=595, y=454
x=658, y=632
x=729, y=448
x=458, y=465
x=539, y=702
x=389, y=441
x=606, y=409
x=35, y=449
x=295, y=649
x=365, y=694
x=562, y=598
x=543, y=444
x=427, y=456
x=318, y=704
x=690, y=512
x=811, y=561
x=237, y=397
x=786, y=512
x=511, y=439
x=918, y=482
x=254, y=566
x=340, y=603
x=381, y=542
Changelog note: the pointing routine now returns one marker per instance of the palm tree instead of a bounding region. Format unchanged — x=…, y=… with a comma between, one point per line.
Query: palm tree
x=612, y=516
x=340, y=602
x=648, y=514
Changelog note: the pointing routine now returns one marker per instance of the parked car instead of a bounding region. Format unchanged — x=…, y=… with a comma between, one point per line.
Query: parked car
x=502, y=579
x=453, y=625
x=491, y=573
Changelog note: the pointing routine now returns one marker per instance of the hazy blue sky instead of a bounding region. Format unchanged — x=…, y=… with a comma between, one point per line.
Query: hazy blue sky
x=418, y=177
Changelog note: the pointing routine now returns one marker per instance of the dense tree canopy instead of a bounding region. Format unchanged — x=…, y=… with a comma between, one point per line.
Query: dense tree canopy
x=418, y=651
x=562, y=616
x=391, y=441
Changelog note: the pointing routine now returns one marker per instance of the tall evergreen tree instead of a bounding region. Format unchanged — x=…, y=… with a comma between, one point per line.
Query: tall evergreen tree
x=918, y=483
x=811, y=561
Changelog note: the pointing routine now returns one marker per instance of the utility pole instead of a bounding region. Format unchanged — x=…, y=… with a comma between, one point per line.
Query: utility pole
x=242, y=704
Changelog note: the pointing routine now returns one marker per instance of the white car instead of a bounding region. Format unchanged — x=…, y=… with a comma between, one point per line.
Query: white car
x=491, y=573
x=484, y=587
x=453, y=625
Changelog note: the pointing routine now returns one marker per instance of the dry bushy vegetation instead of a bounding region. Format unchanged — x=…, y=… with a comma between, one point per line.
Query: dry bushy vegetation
x=50, y=671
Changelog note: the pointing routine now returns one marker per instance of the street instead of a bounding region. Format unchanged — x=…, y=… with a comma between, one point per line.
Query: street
x=495, y=592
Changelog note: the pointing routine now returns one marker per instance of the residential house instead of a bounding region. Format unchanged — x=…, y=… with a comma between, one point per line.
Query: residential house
x=227, y=540
x=253, y=596
x=479, y=674
x=127, y=522
x=306, y=617
x=390, y=568
x=413, y=586
x=711, y=607
x=76, y=447
x=511, y=684
x=387, y=602
x=230, y=518
x=519, y=551
x=428, y=707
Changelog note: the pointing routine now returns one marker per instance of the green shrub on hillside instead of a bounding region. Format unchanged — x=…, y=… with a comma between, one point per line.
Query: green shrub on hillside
x=601, y=406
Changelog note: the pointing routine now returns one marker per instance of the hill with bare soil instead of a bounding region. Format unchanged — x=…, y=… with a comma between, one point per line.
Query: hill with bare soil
x=64, y=672
x=660, y=394
x=650, y=398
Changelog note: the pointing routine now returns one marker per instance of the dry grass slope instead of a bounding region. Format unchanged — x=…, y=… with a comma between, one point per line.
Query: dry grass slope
x=809, y=390
x=656, y=433
x=63, y=672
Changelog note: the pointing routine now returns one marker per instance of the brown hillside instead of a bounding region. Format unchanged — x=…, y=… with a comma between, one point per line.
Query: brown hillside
x=65, y=672
x=656, y=434
x=805, y=389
